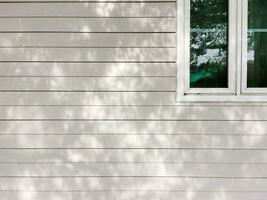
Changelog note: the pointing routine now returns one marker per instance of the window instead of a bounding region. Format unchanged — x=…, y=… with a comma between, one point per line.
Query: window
x=222, y=50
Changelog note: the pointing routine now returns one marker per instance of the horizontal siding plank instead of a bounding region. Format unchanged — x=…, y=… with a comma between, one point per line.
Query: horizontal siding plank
x=87, y=39
x=133, y=169
x=87, y=10
x=126, y=195
x=134, y=183
x=131, y=113
x=87, y=69
x=87, y=25
x=87, y=98
x=126, y=127
x=134, y=141
x=109, y=156
x=87, y=55
x=87, y=84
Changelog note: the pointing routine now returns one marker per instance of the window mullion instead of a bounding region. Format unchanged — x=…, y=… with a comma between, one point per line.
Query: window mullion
x=233, y=46
x=187, y=45
x=180, y=48
x=244, y=42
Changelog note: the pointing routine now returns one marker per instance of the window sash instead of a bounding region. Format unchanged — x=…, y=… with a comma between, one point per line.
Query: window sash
x=183, y=37
x=184, y=92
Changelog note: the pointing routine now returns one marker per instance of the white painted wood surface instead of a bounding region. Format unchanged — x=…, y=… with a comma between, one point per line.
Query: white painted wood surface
x=66, y=9
x=69, y=40
x=87, y=25
x=134, y=141
x=160, y=156
x=88, y=110
x=87, y=55
x=132, y=113
x=134, y=127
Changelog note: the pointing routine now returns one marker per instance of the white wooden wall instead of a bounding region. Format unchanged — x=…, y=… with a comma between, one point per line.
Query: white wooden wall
x=88, y=112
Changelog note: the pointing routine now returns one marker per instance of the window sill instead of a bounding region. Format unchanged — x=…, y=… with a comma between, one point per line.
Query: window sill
x=222, y=99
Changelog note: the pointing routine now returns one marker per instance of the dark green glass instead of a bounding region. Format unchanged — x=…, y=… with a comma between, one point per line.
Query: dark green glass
x=209, y=44
x=257, y=44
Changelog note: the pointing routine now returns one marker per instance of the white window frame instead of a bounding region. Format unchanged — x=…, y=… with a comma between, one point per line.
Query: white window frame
x=237, y=59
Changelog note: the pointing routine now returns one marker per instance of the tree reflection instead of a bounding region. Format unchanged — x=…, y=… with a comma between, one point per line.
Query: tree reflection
x=257, y=40
x=208, y=39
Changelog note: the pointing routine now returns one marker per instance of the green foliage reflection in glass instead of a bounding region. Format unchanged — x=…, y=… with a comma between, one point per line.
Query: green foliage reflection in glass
x=209, y=44
x=257, y=43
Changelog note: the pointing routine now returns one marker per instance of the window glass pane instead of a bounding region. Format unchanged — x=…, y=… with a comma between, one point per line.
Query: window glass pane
x=257, y=43
x=209, y=44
